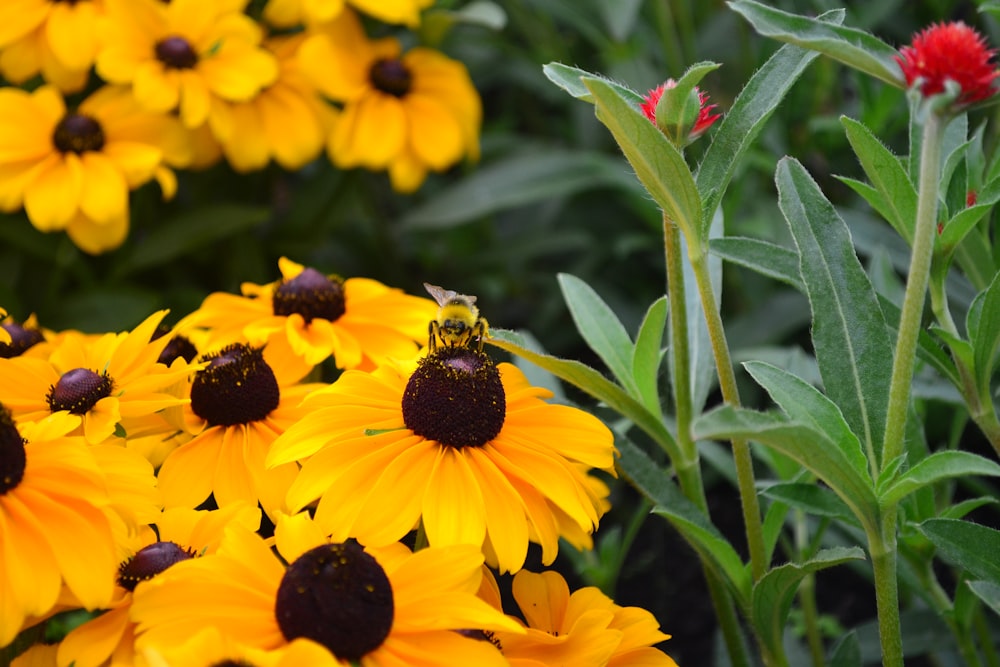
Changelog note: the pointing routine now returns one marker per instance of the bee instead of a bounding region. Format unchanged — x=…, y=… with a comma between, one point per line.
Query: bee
x=458, y=321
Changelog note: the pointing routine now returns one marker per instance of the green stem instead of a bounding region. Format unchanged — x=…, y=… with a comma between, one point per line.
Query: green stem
x=730, y=394
x=882, y=546
x=916, y=288
x=688, y=469
x=807, y=592
x=986, y=640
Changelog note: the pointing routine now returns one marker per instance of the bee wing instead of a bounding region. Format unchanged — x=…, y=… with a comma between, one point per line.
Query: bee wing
x=445, y=296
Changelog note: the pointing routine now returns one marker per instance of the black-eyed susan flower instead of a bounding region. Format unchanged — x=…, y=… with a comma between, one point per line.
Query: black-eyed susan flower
x=287, y=121
x=290, y=13
x=16, y=338
x=408, y=113
x=55, y=527
x=237, y=408
x=110, y=385
x=55, y=38
x=950, y=52
x=180, y=534
x=72, y=170
x=185, y=55
x=365, y=606
x=585, y=628
x=463, y=447
x=306, y=317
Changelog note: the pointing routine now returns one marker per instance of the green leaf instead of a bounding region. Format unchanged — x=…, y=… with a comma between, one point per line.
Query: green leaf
x=593, y=383
x=658, y=164
x=761, y=256
x=960, y=509
x=812, y=449
x=988, y=592
x=647, y=354
x=570, y=79
x=933, y=469
x=966, y=544
x=744, y=121
x=774, y=593
x=887, y=174
x=805, y=404
x=986, y=337
x=600, y=327
x=855, y=48
x=963, y=222
x=810, y=498
x=190, y=231
x=846, y=652
x=850, y=336
x=521, y=178
x=713, y=549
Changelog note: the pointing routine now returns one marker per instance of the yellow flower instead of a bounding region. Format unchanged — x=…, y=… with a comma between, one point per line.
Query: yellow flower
x=54, y=528
x=306, y=317
x=185, y=55
x=110, y=385
x=72, y=170
x=408, y=113
x=585, y=629
x=58, y=39
x=372, y=607
x=240, y=408
x=286, y=121
x=289, y=13
x=466, y=448
x=180, y=534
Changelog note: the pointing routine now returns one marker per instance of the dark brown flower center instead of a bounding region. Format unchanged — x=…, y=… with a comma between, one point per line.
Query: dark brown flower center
x=178, y=346
x=390, y=76
x=339, y=596
x=12, y=455
x=456, y=398
x=21, y=339
x=78, y=133
x=79, y=390
x=310, y=294
x=176, y=52
x=237, y=387
x=149, y=561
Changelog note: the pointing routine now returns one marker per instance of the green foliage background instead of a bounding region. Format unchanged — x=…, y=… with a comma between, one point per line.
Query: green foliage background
x=551, y=194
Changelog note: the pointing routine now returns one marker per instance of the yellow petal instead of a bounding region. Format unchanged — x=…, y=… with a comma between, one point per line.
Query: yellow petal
x=94, y=238
x=104, y=195
x=156, y=88
x=246, y=146
x=52, y=200
x=453, y=510
x=195, y=98
x=371, y=132
x=72, y=35
x=433, y=132
x=20, y=17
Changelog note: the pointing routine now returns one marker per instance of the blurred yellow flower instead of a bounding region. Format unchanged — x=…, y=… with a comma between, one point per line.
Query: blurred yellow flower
x=287, y=121
x=409, y=113
x=185, y=55
x=72, y=169
x=57, y=39
x=289, y=13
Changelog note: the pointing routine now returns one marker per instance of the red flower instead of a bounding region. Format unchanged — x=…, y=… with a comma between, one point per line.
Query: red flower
x=950, y=51
x=705, y=118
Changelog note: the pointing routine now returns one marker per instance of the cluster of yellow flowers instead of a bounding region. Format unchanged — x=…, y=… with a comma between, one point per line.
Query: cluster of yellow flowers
x=107, y=95
x=209, y=502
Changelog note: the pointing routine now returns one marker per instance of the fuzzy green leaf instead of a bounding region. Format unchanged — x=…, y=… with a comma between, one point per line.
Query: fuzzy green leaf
x=593, y=383
x=963, y=222
x=887, y=174
x=804, y=403
x=810, y=498
x=774, y=593
x=855, y=48
x=934, y=468
x=966, y=544
x=744, y=121
x=761, y=256
x=570, y=79
x=600, y=327
x=850, y=336
x=658, y=164
x=988, y=592
x=647, y=354
x=986, y=337
x=696, y=528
